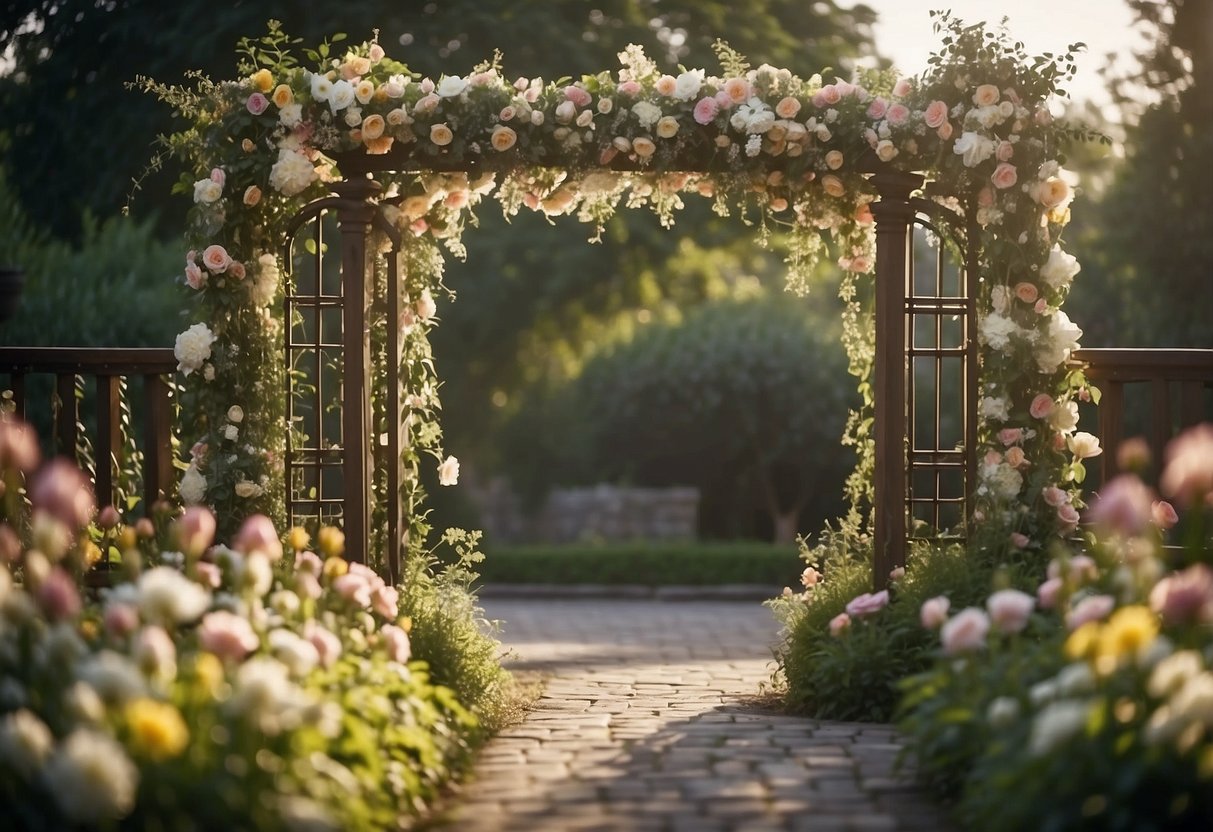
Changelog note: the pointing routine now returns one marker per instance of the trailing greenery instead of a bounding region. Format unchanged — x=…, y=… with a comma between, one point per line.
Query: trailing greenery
x=643, y=564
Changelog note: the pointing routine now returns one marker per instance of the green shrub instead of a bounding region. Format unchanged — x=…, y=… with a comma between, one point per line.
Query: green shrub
x=644, y=564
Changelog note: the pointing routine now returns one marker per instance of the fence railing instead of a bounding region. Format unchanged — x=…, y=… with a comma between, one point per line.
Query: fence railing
x=108, y=367
x=1178, y=393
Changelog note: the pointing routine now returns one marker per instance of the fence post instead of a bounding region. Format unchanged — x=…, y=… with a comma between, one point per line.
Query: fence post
x=355, y=213
x=893, y=214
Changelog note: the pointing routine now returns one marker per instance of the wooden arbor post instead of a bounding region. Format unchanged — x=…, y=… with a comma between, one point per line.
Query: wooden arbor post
x=894, y=215
x=355, y=213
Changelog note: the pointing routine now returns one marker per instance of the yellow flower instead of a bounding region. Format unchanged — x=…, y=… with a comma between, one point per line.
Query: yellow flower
x=208, y=672
x=92, y=553
x=157, y=728
x=263, y=80
x=1128, y=632
x=282, y=96
x=297, y=538
x=1082, y=640
x=331, y=541
x=335, y=568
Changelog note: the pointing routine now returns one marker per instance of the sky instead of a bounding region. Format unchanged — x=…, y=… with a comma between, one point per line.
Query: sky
x=903, y=32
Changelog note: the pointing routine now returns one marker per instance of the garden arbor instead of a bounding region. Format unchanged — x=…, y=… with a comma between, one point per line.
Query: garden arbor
x=316, y=396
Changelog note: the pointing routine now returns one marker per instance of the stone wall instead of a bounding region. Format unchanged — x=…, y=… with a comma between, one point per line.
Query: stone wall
x=601, y=512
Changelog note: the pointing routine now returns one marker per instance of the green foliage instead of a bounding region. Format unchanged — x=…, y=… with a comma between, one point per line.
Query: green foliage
x=759, y=381
x=644, y=564
x=449, y=630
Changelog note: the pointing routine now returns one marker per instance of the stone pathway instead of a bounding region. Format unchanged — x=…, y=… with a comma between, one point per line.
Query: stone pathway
x=647, y=722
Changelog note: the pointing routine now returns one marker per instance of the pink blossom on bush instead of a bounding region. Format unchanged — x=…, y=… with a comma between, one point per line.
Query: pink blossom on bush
x=934, y=612
x=209, y=574
x=57, y=596
x=706, y=109
x=353, y=588
x=1010, y=609
x=386, y=601
x=1091, y=608
x=1163, y=514
x=120, y=620
x=328, y=646
x=1019, y=540
x=18, y=445
x=1124, y=505
x=1047, y=594
x=839, y=623
x=227, y=635
x=1185, y=597
x=62, y=491
x=869, y=603
x=196, y=530
x=396, y=642
x=308, y=561
x=1042, y=406
x=257, y=534
x=1188, y=475
x=965, y=631
x=935, y=115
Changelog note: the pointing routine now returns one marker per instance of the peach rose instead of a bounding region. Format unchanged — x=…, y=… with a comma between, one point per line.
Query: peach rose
x=1054, y=193
x=503, y=138
x=1026, y=292
x=1016, y=456
x=830, y=94
x=379, y=146
x=666, y=85
x=787, y=107
x=833, y=185
x=643, y=147
x=835, y=159
x=1004, y=176
x=986, y=95
x=964, y=632
x=945, y=131
x=667, y=126
x=440, y=134
x=372, y=127
x=737, y=89
x=216, y=259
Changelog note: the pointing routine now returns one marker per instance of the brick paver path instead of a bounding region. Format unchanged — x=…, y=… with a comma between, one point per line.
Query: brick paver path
x=646, y=722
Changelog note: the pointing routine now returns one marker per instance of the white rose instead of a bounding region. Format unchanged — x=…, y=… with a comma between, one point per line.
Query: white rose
x=885, y=150
x=231, y=433
x=292, y=173
x=193, y=347
x=1058, y=340
x=322, y=87
x=974, y=148
x=1000, y=299
x=207, y=191
x=291, y=115
x=450, y=87
x=760, y=122
x=341, y=95
x=448, y=471
x=353, y=116
x=1063, y=418
x=192, y=488
x=687, y=85
x=996, y=407
x=1060, y=268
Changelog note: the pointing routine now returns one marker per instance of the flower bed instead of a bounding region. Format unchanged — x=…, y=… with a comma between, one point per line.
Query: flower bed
x=250, y=686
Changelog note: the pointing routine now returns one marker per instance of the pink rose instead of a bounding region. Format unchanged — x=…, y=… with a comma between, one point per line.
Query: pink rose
x=1047, y=593
x=1041, y=406
x=1004, y=175
x=934, y=612
x=738, y=90
x=195, y=530
x=227, y=635
x=706, y=110
x=209, y=574
x=1164, y=514
x=1041, y=306
x=936, y=115
x=61, y=490
x=629, y=88
x=257, y=534
x=868, y=603
x=1016, y=457
x=1091, y=608
x=57, y=596
x=216, y=258
x=194, y=276
x=386, y=601
x=1004, y=151
x=965, y=631
x=120, y=620
x=1185, y=597
x=257, y=103
x=1068, y=516
x=1026, y=292
x=1010, y=436
x=308, y=561
x=218, y=176
x=839, y=623
x=577, y=95
x=945, y=130
x=353, y=588
x=877, y=108
x=396, y=643
x=236, y=270
x=1019, y=540
x=830, y=94
x=898, y=115
x=787, y=107
x=1010, y=610
x=902, y=88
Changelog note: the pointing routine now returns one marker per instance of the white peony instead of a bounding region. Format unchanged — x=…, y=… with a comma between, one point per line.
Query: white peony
x=168, y=597
x=995, y=407
x=1000, y=299
x=265, y=285
x=687, y=85
x=1000, y=479
x=292, y=173
x=291, y=115
x=207, y=191
x=1058, y=340
x=426, y=307
x=94, y=780
x=974, y=148
x=264, y=695
x=1056, y=724
x=646, y=113
x=1060, y=268
x=192, y=488
x=193, y=348
x=996, y=331
x=448, y=471
x=298, y=654
x=113, y=677
x=25, y=742
x=449, y=87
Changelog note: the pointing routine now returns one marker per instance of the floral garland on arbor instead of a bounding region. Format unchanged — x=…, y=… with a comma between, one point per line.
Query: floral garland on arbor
x=791, y=151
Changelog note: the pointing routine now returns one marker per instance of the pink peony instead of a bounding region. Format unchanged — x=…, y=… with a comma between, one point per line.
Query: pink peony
x=57, y=596
x=120, y=620
x=1010, y=436
x=936, y=115
x=965, y=631
x=1019, y=540
x=1010, y=610
x=869, y=603
x=328, y=646
x=18, y=445
x=1091, y=608
x=898, y=115
x=706, y=109
x=257, y=534
x=1047, y=594
x=1188, y=475
x=838, y=623
x=1164, y=514
x=1124, y=505
x=1185, y=597
x=577, y=95
x=61, y=490
x=386, y=601
x=195, y=530
x=396, y=642
x=877, y=108
x=227, y=635
x=1004, y=176
x=257, y=103
x=934, y=612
